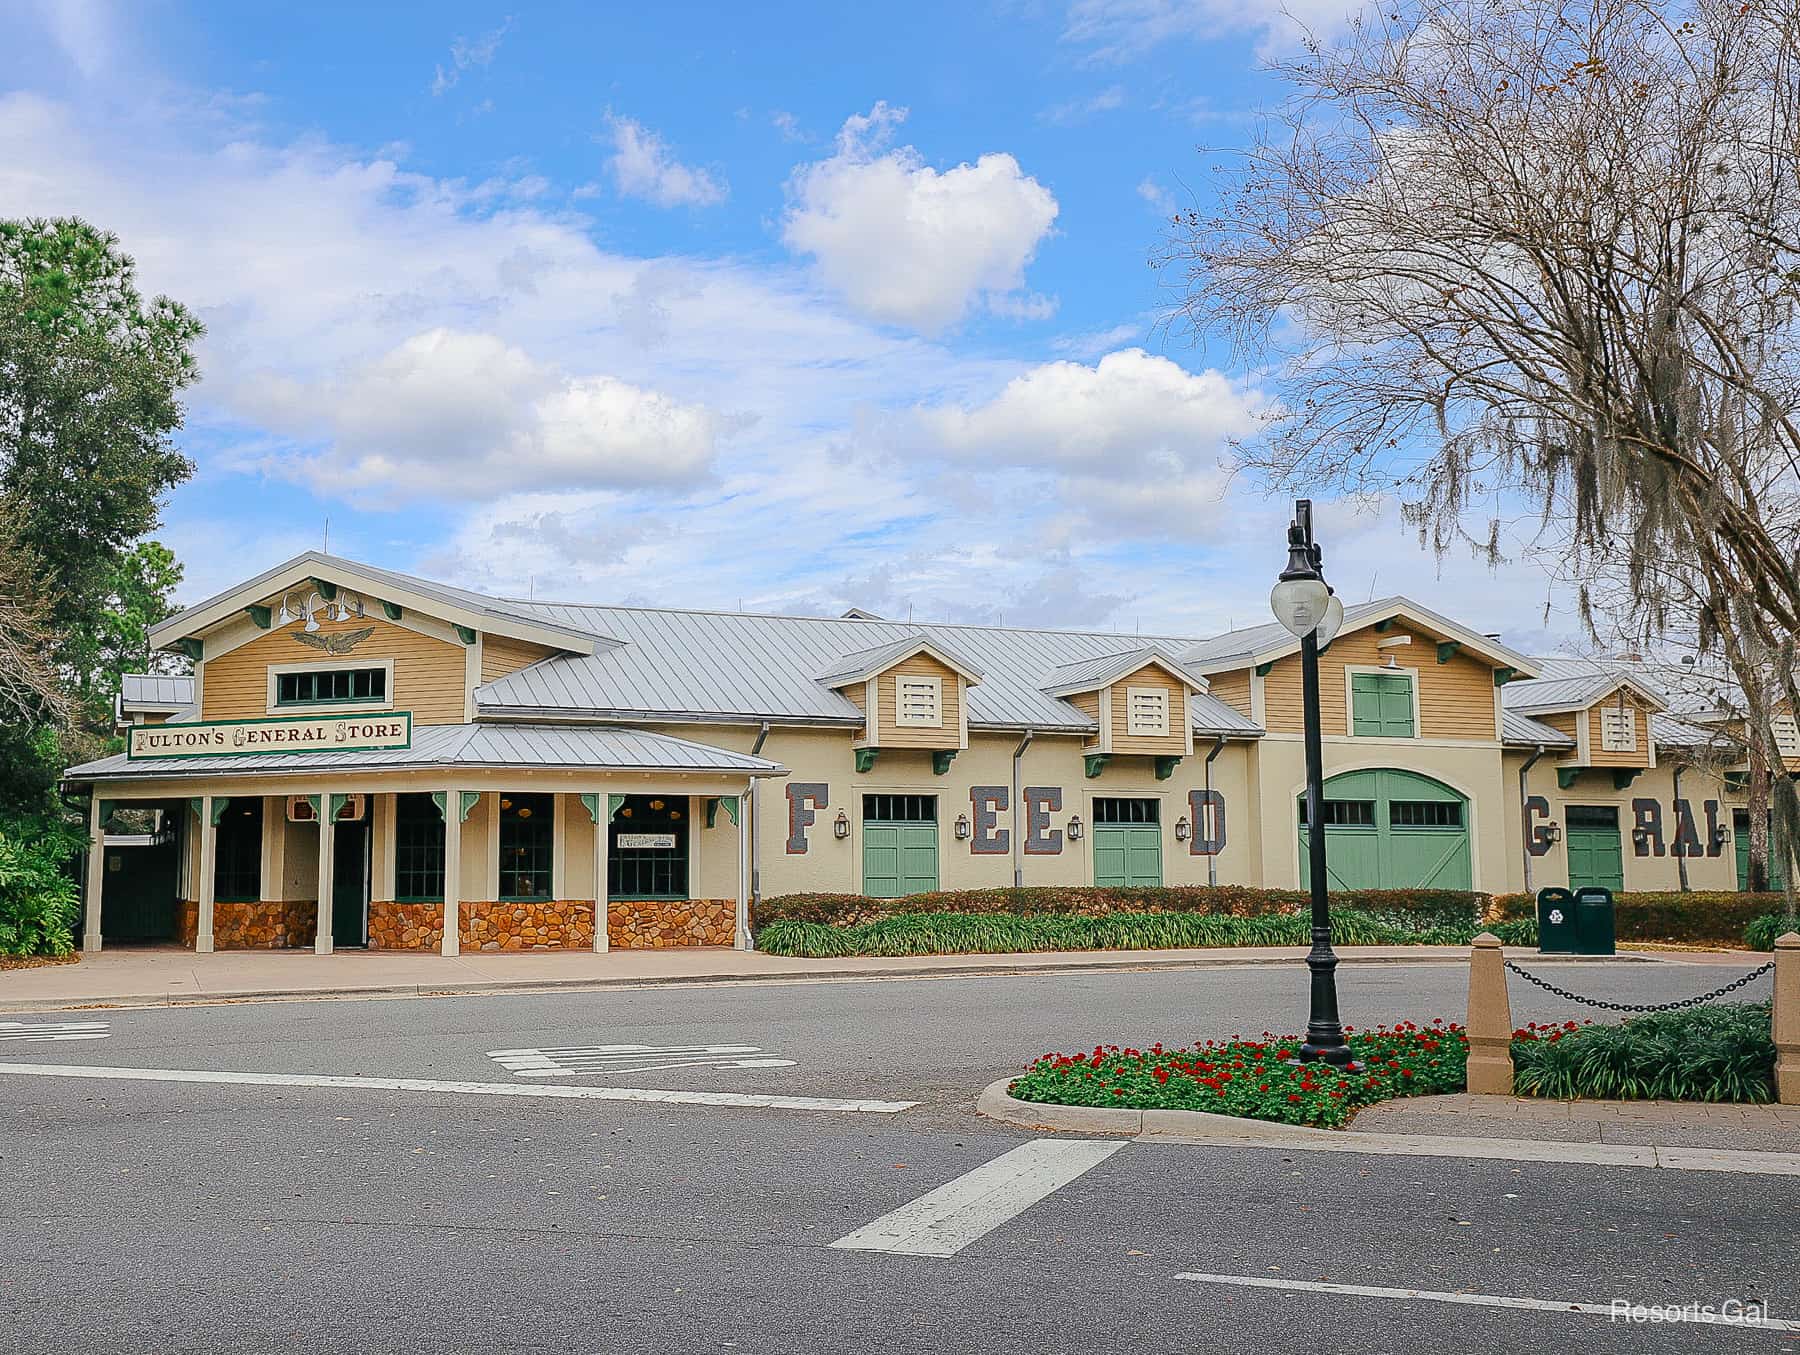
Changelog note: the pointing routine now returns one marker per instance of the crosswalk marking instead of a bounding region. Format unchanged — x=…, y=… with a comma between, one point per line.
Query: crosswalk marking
x=54, y=1030
x=584, y=1060
x=957, y=1213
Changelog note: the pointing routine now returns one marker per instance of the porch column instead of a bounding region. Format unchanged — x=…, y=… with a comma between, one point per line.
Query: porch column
x=452, y=872
x=602, y=831
x=322, y=935
x=742, y=938
x=209, y=869
x=96, y=875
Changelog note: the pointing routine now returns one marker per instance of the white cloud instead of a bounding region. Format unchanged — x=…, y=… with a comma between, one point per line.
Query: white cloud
x=1120, y=30
x=643, y=167
x=1080, y=110
x=788, y=125
x=1156, y=195
x=1098, y=343
x=468, y=54
x=905, y=244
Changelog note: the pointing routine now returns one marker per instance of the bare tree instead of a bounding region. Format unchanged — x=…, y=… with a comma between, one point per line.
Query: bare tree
x=31, y=689
x=1543, y=251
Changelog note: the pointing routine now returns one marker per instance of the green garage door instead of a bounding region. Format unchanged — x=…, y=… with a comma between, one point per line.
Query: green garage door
x=1740, y=833
x=1127, y=842
x=1596, y=855
x=900, y=845
x=1389, y=829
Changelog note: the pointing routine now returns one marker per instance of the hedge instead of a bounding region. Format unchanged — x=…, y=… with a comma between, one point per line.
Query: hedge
x=1761, y=933
x=38, y=902
x=1695, y=916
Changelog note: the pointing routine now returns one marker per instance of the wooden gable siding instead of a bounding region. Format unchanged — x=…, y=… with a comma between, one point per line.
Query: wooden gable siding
x=500, y=655
x=1088, y=703
x=1456, y=699
x=1598, y=756
x=1232, y=688
x=1563, y=722
x=889, y=734
x=428, y=674
x=1172, y=744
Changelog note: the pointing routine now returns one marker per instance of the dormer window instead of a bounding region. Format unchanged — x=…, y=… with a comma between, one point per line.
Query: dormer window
x=1147, y=711
x=298, y=686
x=919, y=702
x=1618, y=729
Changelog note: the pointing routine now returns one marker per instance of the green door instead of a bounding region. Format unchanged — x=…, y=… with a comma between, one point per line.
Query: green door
x=1127, y=842
x=1389, y=829
x=900, y=845
x=349, y=883
x=1740, y=836
x=1596, y=853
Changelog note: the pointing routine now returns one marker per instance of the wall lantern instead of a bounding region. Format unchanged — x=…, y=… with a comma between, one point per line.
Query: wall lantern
x=962, y=827
x=1183, y=829
x=840, y=826
x=1639, y=836
x=1075, y=829
x=1720, y=836
x=1553, y=832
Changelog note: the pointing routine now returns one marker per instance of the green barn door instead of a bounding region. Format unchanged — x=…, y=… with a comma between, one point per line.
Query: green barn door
x=1740, y=837
x=1389, y=829
x=1127, y=843
x=900, y=845
x=1596, y=854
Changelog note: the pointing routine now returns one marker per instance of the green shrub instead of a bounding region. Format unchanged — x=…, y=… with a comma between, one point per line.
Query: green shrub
x=1762, y=931
x=38, y=903
x=1696, y=917
x=1722, y=1053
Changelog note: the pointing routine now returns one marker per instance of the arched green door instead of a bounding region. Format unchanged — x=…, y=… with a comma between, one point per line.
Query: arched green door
x=1389, y=829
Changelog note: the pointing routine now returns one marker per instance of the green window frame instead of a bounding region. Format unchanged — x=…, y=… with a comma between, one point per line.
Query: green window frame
x=527, y=847
x=649, y=873
x=330, y=686
x=418, y=849
x=1381, y=705
x=237, y=852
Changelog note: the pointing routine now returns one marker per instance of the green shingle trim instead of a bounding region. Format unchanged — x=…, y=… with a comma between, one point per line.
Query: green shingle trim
x=865, y=758
x=1566, y=777
x=1095, y=763
x=940, y=761
x=466, y=634
x=262, y=617
x=1165, y=767
x=1447, y=650
x=392, y=610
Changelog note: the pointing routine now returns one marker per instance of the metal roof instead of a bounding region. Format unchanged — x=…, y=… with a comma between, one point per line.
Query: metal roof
x=574, y=747
x=1235, y=648
x=1084, y=675
x=1575, y=684
x=155, y=691
x=1517, y=728
x=865, y=663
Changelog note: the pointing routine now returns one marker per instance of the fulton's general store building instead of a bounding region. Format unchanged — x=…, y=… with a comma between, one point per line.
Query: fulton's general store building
x=364, y=758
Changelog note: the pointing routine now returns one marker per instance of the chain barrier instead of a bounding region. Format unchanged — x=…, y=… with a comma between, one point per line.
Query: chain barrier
x=1731, y=987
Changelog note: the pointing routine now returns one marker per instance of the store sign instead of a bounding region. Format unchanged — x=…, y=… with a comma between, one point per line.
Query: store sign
x=308, y=734
x=646, y=842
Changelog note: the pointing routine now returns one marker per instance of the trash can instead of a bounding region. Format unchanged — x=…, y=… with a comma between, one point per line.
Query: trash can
x=1556, y=922
x=1594, y=931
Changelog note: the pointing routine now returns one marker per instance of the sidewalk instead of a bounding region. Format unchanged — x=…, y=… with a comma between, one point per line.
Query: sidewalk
x=1684, y=1124
x=154, y=976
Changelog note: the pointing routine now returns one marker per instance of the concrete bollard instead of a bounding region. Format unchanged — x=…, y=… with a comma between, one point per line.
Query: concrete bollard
x=1490, y=1024
x=1785, y=1023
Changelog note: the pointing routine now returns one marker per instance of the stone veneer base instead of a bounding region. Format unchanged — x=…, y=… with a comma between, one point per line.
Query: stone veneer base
x=273, y=924
x=405, y=926
x=654, y=924
x=536, y=925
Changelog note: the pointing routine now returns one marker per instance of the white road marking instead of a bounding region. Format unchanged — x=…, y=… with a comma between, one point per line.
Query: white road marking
x=54, y=1030
x=1692, y=1313
x=584, y=1060
x=743, y=1100
x=949, y=1218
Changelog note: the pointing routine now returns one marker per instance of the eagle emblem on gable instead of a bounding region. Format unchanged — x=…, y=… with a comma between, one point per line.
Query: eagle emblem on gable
x=334, y=644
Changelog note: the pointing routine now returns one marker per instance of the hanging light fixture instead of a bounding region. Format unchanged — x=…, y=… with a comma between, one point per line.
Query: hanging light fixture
x=840, y=826
x=1183, y=829
x=962, y=827
x=1075, y=828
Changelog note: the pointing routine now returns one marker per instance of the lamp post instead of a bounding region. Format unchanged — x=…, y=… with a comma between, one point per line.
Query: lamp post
x=1303, y=603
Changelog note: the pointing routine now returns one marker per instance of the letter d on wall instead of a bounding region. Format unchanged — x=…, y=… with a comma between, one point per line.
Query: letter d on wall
x=805, y=800
x=1207, y=809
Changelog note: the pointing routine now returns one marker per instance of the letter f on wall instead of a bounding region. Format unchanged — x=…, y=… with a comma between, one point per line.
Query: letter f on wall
x=805, y=799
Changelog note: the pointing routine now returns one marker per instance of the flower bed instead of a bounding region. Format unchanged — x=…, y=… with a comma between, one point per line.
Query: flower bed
x=1248, y=1077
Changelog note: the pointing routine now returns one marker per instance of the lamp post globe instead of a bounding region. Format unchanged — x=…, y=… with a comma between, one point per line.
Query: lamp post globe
x=1300, y=604
x=1331, y=623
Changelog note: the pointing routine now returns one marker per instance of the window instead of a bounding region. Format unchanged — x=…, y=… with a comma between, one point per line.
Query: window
x=647, y=854
x=1127, y=811
x=1787, y=736
x=1146, y=711
x=326, y=686
x=1381, y=705
x=1618, y=729
x=899, y=809
x=1344, y=813
x=237, y=862
x=418, y=850
x=919, y=701
x=1590, y=816
x=1424, y=814
x=527, y=846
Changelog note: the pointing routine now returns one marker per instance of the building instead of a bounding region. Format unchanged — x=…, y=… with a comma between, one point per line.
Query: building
x=509, y=755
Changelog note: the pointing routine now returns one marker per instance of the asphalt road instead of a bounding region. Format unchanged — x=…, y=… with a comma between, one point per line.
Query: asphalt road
x=151, y=1216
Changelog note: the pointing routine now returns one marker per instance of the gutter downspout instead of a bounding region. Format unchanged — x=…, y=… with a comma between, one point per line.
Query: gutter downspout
x=762, y=735
x=1524, y=816
x=1212, y=858
x=1017, y=807
x=1680, y=857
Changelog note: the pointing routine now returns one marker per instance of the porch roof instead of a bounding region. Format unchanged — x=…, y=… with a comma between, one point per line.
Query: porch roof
x=534, y=746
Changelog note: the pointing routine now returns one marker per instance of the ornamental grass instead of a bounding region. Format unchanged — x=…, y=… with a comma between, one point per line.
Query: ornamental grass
x=1254, y=1079
x=1720, y=1053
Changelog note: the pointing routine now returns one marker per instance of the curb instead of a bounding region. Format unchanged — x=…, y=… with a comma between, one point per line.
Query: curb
x=998, y=969
x=998, y=1103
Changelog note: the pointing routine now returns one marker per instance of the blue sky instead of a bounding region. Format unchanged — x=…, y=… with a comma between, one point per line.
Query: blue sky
x=792, y=307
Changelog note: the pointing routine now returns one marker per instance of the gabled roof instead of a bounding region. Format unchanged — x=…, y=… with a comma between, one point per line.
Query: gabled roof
x=1266, y=643
x=1087, y=675
x=456, y=605
x=1575, y=685
x=861, y=664
x=1522, y=729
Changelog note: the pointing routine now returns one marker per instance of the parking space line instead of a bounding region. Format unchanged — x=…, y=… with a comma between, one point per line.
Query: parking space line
x=735, y=1100
x=949, y=1218
x=1694, y=1312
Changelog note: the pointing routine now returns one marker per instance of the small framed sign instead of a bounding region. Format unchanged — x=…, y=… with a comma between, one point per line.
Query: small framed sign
x=646, y=842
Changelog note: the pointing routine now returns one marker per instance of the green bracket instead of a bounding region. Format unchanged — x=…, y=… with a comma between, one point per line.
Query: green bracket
x=1624, y=776
x=1383, y=627
x=1165, y=767
x=1566, y=777
x=194, y=648
x=1262, y=669
x=1502, y=676
x=865, y=758
x=590, y=801
x=437, y=798
x=614, y=803
x=313, y=800
x=338, y=801
x=391, y=610
x=1447, y=650
x=1095, y=763
x=220, y=804
x=470, y=798
x=328, y=591
x=730, y=803
x=107, y=809
x=194, y=803
x=940, y=761
x=466, y=634
x=262, y=616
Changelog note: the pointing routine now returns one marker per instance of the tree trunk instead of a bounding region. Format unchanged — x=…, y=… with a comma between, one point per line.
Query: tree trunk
x=1756, y=879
